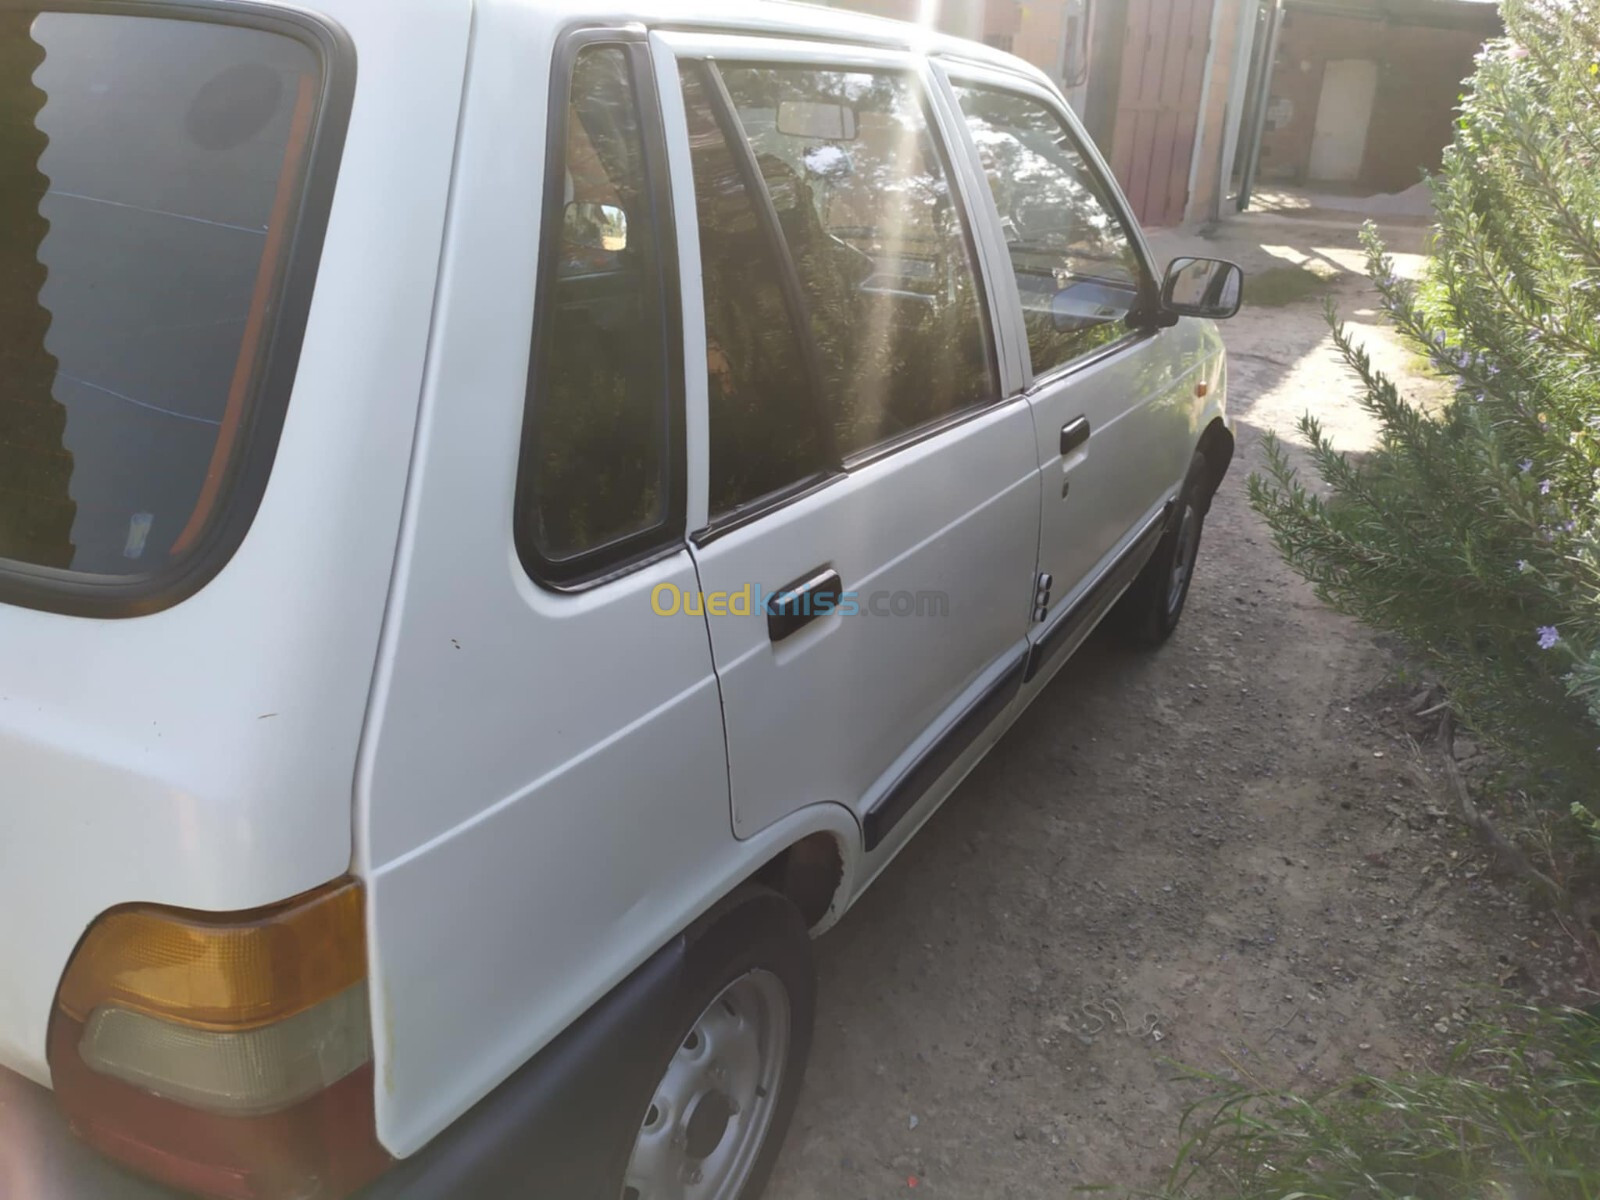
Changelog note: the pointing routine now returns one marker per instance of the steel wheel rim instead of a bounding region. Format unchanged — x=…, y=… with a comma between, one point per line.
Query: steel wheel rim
x=1183, y=556
x=711, y=1110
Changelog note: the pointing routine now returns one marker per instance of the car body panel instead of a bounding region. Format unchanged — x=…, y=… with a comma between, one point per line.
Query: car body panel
x=376, y=641
x=202, y=756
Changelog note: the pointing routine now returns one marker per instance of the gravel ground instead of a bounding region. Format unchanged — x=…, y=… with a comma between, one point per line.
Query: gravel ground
x=1225, y=855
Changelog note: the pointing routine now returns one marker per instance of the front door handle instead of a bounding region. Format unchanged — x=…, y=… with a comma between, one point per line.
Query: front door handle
x=1074, y=434
x=795, y=605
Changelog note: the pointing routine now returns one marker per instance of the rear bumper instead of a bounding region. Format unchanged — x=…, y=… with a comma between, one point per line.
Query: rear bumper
x=556, y=1129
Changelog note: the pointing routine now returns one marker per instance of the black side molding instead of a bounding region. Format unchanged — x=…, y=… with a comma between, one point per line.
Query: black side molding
x=1077, y=621
x=904, y=793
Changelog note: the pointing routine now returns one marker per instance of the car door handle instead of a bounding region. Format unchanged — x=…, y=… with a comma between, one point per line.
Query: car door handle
x=795, y=605
x=1074, y=434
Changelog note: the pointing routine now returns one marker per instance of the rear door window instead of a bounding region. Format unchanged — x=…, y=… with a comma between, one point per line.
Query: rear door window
x=152, y=178
x=864, y=201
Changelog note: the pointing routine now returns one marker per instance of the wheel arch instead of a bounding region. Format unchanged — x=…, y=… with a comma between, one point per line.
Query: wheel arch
x=1216, y=444
x=810, y=872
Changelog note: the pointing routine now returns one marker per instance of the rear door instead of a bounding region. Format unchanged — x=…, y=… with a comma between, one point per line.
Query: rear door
x=1110, y=410
x=868, y=469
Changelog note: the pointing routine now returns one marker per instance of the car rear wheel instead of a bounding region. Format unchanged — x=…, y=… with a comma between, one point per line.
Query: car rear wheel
x=727, y=1082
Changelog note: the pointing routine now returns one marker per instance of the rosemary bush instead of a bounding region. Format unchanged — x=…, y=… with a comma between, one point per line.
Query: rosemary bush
x=1473, y=530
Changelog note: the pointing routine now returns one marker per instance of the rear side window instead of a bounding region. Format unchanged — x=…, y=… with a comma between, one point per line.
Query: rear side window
x=153, y=173
x=598, y=484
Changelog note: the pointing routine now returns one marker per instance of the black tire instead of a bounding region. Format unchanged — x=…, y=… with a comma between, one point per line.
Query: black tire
x=755, y=934
x=1150, y=609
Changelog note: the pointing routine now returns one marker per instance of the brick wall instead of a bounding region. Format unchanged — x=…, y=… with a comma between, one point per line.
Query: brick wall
x=1420, y=69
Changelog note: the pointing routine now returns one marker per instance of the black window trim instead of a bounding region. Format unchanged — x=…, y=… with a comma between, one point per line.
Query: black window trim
x=620, y=556
x=837, y=466
x=86, y=594
x=1136, y=330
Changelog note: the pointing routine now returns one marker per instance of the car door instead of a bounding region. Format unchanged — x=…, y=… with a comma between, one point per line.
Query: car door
x=870, y=488
x=1108, y=398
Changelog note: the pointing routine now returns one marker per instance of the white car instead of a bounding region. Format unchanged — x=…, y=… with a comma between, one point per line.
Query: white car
x=511, y=515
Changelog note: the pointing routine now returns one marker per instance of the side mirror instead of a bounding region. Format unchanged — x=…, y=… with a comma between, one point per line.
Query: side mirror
x=587, y=225
x=1202, y=287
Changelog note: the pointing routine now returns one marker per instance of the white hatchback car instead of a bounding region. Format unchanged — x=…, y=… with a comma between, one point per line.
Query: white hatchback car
x=511, y=514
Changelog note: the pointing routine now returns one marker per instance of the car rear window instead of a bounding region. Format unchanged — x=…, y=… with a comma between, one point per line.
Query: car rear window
x=152, y=174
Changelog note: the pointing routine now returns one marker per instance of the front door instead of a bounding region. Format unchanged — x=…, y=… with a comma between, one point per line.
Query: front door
x=871, y=488
x=1107, y=399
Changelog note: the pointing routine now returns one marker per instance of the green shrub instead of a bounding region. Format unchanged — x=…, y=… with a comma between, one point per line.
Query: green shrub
x=1473, y=530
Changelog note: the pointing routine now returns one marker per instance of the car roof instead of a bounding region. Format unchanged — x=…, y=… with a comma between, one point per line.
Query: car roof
x=769, y=17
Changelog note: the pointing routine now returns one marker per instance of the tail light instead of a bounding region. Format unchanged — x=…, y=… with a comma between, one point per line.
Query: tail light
x=226, y=1054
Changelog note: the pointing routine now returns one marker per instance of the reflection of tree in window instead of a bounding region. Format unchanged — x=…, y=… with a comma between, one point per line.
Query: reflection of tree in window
x=764, y=434
x=599, y=405
x=879, y=246
x=36, y=513
x=1076, y=270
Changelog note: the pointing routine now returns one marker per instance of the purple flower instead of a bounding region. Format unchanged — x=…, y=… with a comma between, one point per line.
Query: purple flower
x=1492, y=370
x=1525, y=465
x=1522, y=564
x=1548, y=636
x=1544, y=487
x=1438, y=338
x=1568, y=526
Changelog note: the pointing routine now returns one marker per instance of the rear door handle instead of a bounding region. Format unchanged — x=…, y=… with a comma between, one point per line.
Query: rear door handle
x=1074, y=434
x=795, y=605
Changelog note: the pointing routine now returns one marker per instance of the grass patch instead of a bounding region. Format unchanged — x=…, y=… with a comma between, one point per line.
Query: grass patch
x=1514, y=1116
x=1285, y=285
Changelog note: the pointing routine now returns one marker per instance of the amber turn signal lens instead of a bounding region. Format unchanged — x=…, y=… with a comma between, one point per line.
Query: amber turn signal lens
x=229, y=1054
x=230, y=972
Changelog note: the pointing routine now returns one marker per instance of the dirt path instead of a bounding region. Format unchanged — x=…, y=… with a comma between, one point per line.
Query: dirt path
x=1214, y=855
